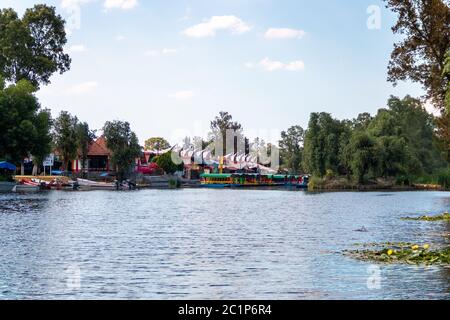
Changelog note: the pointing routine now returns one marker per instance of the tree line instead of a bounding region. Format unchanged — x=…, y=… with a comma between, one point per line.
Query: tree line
x=399, y=141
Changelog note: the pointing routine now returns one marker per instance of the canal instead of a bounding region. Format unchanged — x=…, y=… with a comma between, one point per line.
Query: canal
x=214, y=244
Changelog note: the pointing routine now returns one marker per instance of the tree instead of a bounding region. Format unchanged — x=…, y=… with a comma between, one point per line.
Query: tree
x=219, y=127
x=420, y=56
x=362, y=147
x=406, y=119
x=291, y=148
x=157, y=144
x=392, y=154
x=85, y=137
x=32, y=48
x=123, y=144
x=322, y=144
x=25, y=126
x=447, y=75
x=65, y=137
x=166, y=163
x=42, y=141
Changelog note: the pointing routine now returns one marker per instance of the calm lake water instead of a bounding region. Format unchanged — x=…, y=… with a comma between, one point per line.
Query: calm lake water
x=213, y=244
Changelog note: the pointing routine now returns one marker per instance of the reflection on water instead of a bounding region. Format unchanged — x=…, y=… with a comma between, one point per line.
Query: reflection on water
x=210, y=244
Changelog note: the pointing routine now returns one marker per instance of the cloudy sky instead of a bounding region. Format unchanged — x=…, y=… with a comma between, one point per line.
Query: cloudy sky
x=168, y=67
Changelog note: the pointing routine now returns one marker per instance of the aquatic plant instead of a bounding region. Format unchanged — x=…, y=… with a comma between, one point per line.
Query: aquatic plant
x=443, y=217
x=400, y=253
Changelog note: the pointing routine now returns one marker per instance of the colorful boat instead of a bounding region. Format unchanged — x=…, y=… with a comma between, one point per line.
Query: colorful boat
x=239, y=180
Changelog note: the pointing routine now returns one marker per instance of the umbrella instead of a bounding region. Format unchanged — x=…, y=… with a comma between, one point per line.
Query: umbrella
x=7, y=166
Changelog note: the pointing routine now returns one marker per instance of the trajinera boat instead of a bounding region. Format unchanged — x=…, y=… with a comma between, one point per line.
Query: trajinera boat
x=239, y=180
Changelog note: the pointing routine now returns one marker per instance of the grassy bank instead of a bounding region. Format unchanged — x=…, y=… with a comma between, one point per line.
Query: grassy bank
x=438, y=181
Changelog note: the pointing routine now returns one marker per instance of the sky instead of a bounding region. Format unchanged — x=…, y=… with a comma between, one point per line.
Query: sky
x=169, y=67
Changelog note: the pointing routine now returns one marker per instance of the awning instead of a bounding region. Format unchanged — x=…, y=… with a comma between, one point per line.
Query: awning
x=7, y=166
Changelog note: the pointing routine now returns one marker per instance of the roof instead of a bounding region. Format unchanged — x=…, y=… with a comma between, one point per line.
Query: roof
x=99, y=148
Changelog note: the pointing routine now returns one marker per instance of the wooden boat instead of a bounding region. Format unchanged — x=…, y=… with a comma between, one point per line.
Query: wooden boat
x=6, y=186
x=94, y=185
x=219, y=181
x=27, y=185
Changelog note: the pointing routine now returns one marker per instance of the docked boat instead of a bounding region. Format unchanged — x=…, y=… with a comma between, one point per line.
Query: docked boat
x=6, y=186
x=94, y=185
x=240, y=180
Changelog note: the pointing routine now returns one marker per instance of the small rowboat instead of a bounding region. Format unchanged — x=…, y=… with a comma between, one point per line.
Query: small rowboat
x=93, y=185
x=27, y=186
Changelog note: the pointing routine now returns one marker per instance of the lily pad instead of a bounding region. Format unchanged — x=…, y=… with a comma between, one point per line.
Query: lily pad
x=443, y=217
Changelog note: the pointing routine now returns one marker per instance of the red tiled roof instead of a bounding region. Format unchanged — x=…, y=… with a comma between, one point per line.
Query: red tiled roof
x=99, y=148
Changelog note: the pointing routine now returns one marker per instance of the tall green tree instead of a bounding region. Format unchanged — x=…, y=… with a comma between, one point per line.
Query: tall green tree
x=220, y=125
x=322, y=144
x=364, y=156
x=420, y=55
x=65, y=137
x=42, y=141
x=291, y=148
x=32, y=47
x=85, y=137
x=124, y=145
x=24, y=125
x=447, y=76
x=407, y=119
x=157, y=144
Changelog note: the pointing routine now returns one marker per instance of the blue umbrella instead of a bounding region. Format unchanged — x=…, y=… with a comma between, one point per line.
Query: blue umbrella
x=7, y=166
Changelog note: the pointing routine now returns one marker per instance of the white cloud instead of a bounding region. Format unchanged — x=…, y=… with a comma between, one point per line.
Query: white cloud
x=249, y=65
x=120, y=38
x=270, y=65
x=215, y=23
x=83, y=88
x=169, y=50
x=156, y=52
x=284, y=33
x=151, y=53
x=120, y=4
x=76, y=48
x=184, y=95
x=66, y=4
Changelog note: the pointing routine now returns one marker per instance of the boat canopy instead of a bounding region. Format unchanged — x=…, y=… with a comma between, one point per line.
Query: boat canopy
x=216, y=176
x=7, y=166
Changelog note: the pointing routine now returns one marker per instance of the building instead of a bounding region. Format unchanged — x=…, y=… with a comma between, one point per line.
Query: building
x=98, y=158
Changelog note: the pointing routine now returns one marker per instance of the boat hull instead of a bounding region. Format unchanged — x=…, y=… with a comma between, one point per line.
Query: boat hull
x=26, y=188
x=7, y=186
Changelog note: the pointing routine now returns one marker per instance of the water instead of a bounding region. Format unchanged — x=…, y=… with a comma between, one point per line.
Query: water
x=213, y=244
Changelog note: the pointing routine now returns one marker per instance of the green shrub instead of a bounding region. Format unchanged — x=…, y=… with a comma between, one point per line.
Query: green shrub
x=443, y=178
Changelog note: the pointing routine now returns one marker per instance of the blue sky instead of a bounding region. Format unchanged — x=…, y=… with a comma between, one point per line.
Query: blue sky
x=168, y=67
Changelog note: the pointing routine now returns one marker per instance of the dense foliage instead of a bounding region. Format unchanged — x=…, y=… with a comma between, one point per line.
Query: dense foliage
x=123, y=144
x=25, y=126
x=166, y=163
x=32, y=47
x=420, y=55
x=398, y=142
x=85, y=137
x=157, y=143
x=65, y=136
